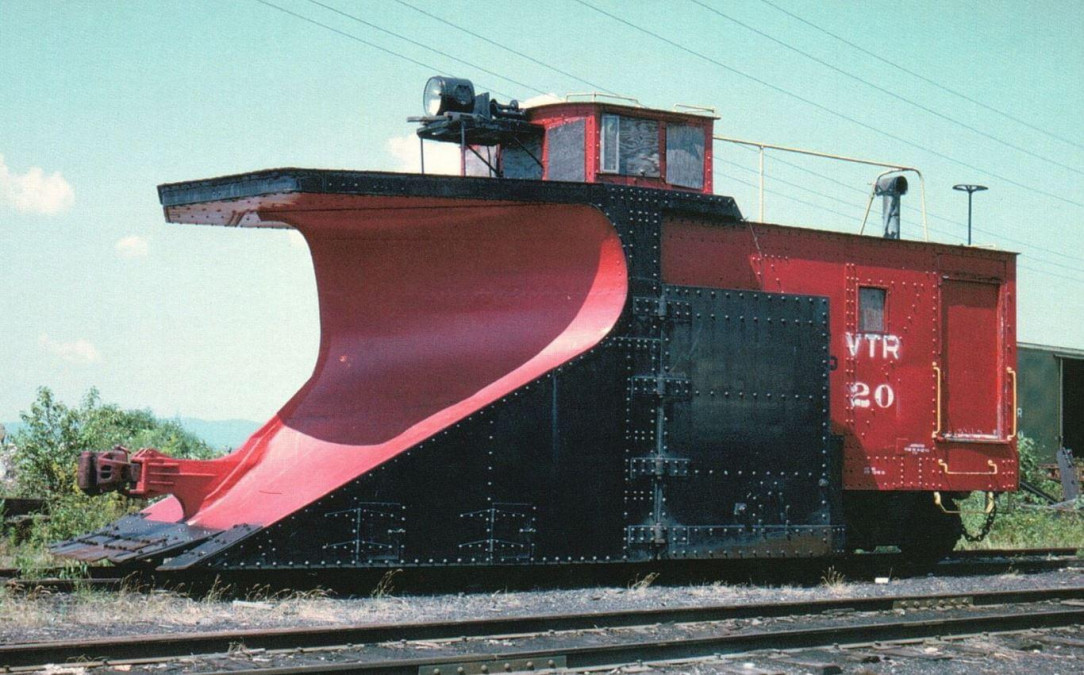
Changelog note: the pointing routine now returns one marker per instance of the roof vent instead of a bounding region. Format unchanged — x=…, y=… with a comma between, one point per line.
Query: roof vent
x=891, y=188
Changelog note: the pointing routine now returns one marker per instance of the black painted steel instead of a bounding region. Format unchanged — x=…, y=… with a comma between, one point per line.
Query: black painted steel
x=742, y=406
x=697, y=429
x=132, y=538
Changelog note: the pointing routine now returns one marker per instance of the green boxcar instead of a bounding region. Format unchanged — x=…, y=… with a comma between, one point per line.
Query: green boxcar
x=1050, y=401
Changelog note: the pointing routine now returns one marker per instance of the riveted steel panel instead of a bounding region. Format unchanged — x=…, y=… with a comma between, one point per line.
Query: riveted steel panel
x=133, y=537
x=755, y=428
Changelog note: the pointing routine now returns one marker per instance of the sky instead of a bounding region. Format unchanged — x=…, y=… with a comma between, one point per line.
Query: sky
x=101, y=102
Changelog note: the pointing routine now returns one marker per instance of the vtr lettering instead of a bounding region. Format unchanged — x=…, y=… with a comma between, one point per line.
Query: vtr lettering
x=877, y=346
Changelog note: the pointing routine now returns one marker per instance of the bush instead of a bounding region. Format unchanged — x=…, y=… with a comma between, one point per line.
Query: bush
x=1023, y=520
x=1031, y=470
x=47, y=448
x=54, y=434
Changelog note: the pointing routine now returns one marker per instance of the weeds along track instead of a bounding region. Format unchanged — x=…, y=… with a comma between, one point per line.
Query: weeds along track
x=573, y=640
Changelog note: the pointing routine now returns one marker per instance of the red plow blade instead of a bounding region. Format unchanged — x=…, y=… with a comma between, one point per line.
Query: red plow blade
x=430, y=310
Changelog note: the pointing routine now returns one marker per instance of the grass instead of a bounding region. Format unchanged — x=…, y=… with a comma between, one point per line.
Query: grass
x=33, y=559
x=69, y=513
x=643, y=583
x=1023, y=521
x=833, y=579
x=93, y=612
x=142, y=610
x=1021, y=524
x=386, y=586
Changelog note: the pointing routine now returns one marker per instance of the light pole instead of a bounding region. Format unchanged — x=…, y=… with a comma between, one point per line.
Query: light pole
x=970, y=190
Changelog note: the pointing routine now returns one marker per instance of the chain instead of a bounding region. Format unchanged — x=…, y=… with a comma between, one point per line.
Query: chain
x=973, y=538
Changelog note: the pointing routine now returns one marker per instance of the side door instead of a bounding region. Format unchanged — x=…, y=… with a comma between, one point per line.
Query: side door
x=971, y=383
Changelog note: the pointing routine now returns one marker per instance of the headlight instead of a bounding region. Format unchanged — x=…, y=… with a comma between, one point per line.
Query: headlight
x=447, y=94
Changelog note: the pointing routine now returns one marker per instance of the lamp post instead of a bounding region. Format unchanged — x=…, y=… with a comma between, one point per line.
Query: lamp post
x=970, y=190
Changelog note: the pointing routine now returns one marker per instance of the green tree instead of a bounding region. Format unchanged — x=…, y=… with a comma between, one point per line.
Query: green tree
x=47, y=448
x=54, y=434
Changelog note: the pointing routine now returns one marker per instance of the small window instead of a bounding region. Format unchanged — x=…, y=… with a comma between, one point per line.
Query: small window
x=611, y=139
x=871, y=310
x=630, y=146
x=480, y=164
x=566, y=148
x=685, y=155
x=520, y=161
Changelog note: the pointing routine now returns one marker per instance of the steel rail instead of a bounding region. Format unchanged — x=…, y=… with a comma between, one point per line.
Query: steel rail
x=64, y=585
x=176, y=645
x=675, y=649
x=1009, y=553
x=974, y=562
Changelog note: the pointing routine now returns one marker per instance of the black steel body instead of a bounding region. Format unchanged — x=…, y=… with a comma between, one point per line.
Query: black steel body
x=697, y=429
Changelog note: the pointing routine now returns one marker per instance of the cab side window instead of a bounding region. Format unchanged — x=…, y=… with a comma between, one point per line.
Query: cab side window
x=630, y=146
x=871, y=309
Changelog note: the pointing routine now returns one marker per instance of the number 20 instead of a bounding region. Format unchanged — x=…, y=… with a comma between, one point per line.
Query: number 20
x=883, y=395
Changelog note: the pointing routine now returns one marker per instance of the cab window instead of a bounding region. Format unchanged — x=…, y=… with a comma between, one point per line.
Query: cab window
x=685, y=155
x=629, y=146
x=871, y=309
x=566, y=148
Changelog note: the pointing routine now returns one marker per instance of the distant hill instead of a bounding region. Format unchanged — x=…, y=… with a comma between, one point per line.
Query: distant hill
x=10, y=428
x=220, y=434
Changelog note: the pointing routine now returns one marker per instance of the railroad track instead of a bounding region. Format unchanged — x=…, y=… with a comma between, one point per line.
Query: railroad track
x=963, y=563
x=61, y=580
x=1010, y=552
x=579, y=640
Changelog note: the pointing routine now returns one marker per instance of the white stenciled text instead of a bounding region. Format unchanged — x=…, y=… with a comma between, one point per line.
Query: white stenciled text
x=877, y=346
x=863, y=396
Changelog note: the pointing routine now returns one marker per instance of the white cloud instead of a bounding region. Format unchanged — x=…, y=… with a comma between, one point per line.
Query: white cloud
x=296, y=239
x=78, y=351
x=132, y=246
x=33, y=191
x=442, y=158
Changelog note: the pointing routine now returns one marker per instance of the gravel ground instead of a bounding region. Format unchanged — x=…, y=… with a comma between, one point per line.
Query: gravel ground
x=1042, y=652
x=1050, y=652
x=1037, y=652
x=35, y=616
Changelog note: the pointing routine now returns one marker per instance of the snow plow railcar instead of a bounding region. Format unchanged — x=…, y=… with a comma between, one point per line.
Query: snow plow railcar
x=584, y=355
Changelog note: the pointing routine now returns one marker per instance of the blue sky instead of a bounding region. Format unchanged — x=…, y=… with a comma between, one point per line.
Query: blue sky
x=101, y=102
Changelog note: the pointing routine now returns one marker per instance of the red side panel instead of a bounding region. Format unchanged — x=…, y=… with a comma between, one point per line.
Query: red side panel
x=941, y=353
x=971, y=335
x=430, y=309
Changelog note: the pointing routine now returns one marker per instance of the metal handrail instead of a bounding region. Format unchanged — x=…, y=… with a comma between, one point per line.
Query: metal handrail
x=990, y=463
x=937, y=429
x=1014, y=420
x=678, y=107
x=596, y=95
x=827, y=155
x=986, y=511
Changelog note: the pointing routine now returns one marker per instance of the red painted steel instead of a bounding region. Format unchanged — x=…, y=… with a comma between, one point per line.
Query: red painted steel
x=948, y=310
x=430, y=309
x=970, y=320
